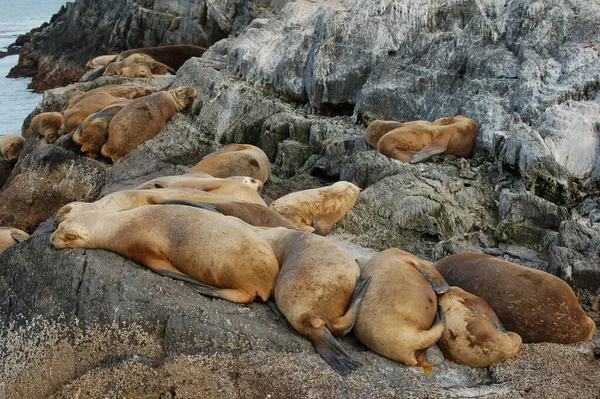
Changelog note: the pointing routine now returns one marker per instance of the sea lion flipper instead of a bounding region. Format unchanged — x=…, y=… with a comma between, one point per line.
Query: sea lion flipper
x=437, y=281
x=202, y=205
x=344, y=324
x=322, y=225
x=19, y=236
x=332, y=352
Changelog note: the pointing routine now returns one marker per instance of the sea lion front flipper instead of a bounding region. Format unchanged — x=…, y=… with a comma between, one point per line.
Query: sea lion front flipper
x=332, y=352
x=19, y=236
x=437, y=281
x=322, y=225
x=438, y=145
x=344, y=324
x=231, y=295
x=202, y=205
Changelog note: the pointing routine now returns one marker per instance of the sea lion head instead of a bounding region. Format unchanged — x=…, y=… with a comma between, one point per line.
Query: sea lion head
x=183, y=96
x=71, y=209
x=11, y=150
x=70, y=234
x=249, y=181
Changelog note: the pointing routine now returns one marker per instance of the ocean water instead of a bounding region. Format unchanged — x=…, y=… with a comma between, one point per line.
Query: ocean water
x=16, y=18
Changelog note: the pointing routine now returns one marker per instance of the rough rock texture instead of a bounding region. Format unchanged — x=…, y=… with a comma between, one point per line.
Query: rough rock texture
x=300, y=82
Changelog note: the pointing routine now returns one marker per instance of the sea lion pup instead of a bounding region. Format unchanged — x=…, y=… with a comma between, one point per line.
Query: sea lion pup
x=91, y=134
x=318, y=290
x=129, y=92
x=416, y=142
x=242, y=188
x=10, y=236
x=103, y=60
x=236, y=160
x=174, y=56
x=537, y=305
x=399, y=317
x=377, y=129
x=318, y=209
x=216, y=255
x=84, y=108
x=46, y=124
x=130, y=199
x=143, y=119
x=474, y=335
x=137, y=70
x=11, y=146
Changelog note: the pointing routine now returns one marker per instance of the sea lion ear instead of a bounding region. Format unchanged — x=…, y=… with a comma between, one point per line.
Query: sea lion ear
x=19, y=237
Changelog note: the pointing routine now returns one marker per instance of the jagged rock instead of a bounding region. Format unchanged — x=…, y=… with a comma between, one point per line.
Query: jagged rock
x=291, y=156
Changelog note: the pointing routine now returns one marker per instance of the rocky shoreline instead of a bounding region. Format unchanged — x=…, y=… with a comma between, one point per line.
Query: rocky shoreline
x=300, y=80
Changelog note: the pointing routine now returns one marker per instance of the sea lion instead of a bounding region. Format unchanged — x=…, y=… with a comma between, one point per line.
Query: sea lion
x=216, y=255
x=11, y=146
x=75, y=115
x=318, y=290
x=537, y=305
x=137, y=70
x=416, y=142
x=241, y=188
x=318, y=209
x=474, y=335
x=114, y=67
x=377, y=129
x=91, y=134
x=129, y=92
x=103, y=60
x=143, y=119
x=236, y=160
x=174, y=56
x=130, y=199
x=10, y=236
x=47, y=124
x=399, y=317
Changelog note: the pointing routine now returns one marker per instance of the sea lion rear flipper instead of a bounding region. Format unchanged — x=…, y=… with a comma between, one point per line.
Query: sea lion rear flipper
x=437, y=281
x=196, y=285
x=275, y=309
x=430, y=337
x=332, y=352
x=344, y=324
x=202, y=205
x=19, y=236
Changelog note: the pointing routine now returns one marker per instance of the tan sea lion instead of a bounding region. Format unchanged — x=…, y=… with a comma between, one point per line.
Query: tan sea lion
x=216, y=255
x=114, y=67
x=174, y=56
x=10, y=236
x=318, y=209
x=399, y=316
x=377, y=129
x=537, y=305
x=129, y=92
x=130, y=199
x=137, y=70
x=415, y=142
x=11, y=146
x=102, y=60
x=143, y=119
x=474, y=335
x=84, y=108
x=318, y=291
x=47, y=124
x=236, y=160
x=91, y=134
x=240, y=188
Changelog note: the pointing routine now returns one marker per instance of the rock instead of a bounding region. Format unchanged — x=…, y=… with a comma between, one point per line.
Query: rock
x=291, y=156
x=5, y=169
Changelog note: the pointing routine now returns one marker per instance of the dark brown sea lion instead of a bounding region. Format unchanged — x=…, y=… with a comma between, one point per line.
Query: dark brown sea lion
x=11, y=146
x=47, y=124
x=236, y=160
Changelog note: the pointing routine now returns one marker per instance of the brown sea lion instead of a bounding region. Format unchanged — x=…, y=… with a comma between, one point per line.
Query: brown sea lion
x=236, y=160
x=10, y=236
x=474, y=335
x=216, y=255
x=318, y=209
x=240, y=188
x=143, y=119
x=318, y=290
x=137, y=70
x=103, y=60
x=91, y=134
x=75, y=115
x=377, y=129
x=174, y=56
x=129, y=92
x=47, y=124
x=114, y=67
x=537, y=305
x=399, y=316
x=11, y=146
x=415, y=142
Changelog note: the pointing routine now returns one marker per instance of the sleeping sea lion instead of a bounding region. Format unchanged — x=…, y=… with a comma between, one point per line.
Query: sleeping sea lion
x=417, y=141
x=318, y=209
x=137, y=70
x=318, y=291
x=10, y=236
x=75, y=115
x=537, y=305
x=214, y=254
x=102, y=60
x=474, y=335
x=236, y=160
x=174, y=56
x=114, y=67
x=377, y=129
x=11, y=146
x=399, y=317
x=129, y=92
x=46, y=124
x=143, y=119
